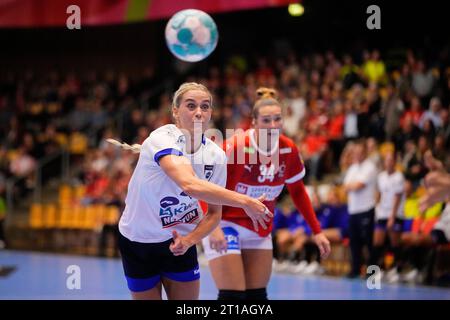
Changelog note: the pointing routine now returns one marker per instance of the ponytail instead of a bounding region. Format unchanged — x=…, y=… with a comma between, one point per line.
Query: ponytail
x=135, y=148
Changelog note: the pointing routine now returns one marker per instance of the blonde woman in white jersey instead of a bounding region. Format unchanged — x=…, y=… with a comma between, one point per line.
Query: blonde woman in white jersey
x=163, y=220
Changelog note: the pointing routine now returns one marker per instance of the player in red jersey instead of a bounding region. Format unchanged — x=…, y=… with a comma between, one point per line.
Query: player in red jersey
x=261, y=161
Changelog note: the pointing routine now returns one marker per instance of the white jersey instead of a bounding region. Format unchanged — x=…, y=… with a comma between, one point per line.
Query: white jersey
x=389, y=186
x=155, y=204
x=362, y=199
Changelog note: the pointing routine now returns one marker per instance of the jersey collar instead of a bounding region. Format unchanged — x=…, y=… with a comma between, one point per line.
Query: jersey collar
x=251, y=133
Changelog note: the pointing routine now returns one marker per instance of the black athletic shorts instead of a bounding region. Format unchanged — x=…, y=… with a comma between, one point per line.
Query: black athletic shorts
x=145, y=263
x=381, y=224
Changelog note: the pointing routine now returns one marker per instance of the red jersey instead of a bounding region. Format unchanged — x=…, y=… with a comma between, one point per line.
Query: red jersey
x=253, y=172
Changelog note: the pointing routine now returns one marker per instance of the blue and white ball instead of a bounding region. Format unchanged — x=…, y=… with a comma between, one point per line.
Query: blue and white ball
x=191, y=35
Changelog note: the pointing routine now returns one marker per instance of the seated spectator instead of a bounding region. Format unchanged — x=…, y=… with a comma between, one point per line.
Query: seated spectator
x=373, y=69
x=334, y=219
x=97, y=184
x=417, y=229
x=432, y=114
x=336, y=130
x=23, y=166
x=294, y=236
x=414, y=113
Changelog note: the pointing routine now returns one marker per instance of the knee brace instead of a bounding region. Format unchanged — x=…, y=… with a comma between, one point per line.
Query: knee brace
x=231, y=295
x=256, y=294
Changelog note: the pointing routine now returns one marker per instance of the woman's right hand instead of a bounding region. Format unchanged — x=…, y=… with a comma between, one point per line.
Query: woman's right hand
x=217, y=241
x=258, y=212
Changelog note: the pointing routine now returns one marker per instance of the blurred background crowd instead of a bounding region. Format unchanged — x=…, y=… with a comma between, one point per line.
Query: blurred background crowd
x=392, y=99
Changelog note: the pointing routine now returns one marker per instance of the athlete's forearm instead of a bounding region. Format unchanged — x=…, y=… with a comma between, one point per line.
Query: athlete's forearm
x=212, y=193
x=209, y=223
x=303, y=205
x=179, y=169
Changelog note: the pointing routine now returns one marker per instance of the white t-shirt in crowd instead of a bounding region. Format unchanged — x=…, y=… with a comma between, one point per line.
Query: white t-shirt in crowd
x=155, y=204
x=390, y=185
x=362, y=199
x=443, y=223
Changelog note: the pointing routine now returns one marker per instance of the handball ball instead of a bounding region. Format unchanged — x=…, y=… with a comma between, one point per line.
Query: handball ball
x=191, y=35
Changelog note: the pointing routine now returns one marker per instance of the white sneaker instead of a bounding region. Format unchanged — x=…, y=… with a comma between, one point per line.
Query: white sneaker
x=279, y=266
x=320, y=271
x=300, y=267
x=411, y=276
x=392, y=276
x=394, y=279
x=391, y=272
x=275, y=265
x=312, y=268
x=284, y=266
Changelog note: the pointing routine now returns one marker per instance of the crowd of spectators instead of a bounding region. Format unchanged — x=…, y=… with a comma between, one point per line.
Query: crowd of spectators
x=329, y=100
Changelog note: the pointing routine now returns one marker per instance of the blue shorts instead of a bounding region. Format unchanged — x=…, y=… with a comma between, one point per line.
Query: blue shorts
x=145, y=263
x=407, y=225
x=306, y=230
x=381, y=224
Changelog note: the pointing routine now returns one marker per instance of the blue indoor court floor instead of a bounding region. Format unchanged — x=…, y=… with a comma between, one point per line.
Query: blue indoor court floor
x=44, y=276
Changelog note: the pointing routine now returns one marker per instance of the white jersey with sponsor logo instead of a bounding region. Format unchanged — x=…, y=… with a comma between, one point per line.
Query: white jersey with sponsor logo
x=390, y=185
x=155, y=205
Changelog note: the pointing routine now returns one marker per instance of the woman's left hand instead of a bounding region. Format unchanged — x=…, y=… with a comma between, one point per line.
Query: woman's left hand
x=323, y=244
